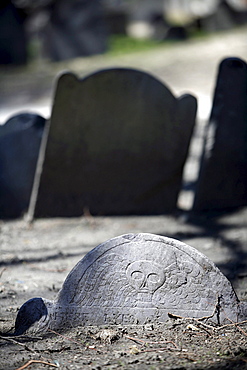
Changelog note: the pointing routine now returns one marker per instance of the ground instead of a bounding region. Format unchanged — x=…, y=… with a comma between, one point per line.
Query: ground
x=171, y=346
x=36, y=258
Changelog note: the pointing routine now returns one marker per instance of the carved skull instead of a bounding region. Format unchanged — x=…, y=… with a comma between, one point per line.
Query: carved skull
x=145, y=276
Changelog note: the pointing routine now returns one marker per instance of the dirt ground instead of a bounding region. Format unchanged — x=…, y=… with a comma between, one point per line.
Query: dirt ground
x=35, y=259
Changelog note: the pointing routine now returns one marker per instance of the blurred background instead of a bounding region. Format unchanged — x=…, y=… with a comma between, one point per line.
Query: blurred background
x=40, y=38
x=65, y=29
x=180, y=42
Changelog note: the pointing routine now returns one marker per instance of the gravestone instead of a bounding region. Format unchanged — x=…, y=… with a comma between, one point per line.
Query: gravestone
x=75, y=28
x=13, y=39
x=222, y=182
x=136, y=279
x=117, y=144
x=20, y=139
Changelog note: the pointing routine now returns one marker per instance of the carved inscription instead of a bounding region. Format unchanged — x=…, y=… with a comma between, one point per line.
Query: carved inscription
x=116, y=280
x=140, y=278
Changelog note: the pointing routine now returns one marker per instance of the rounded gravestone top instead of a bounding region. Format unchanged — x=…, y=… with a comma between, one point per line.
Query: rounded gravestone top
x=141, y=278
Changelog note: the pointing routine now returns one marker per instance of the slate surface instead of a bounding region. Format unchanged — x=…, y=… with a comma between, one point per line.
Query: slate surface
x=117, y=144
x=136, y=279
x=20, y=140
x=222, y=182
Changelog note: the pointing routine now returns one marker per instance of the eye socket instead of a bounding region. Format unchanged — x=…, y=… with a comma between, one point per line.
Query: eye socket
x=137, y=275
x=153, y=278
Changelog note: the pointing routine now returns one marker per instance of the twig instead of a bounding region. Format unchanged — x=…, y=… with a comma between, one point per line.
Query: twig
x=64, y=337
x=199, y=319
x=44, y=361
x=233, y=324
x=4, y=269
x=36, y=362
x=194, y=319
x=236, y=325
x=148, y=342
x=174, y=316
x=19, y=343
x=214, y=328
x=71, y=340
x=159, y=349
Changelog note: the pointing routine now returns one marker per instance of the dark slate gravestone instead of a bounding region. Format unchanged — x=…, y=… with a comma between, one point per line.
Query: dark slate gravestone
x=222, y=182
x=117, y=144
x=13, y=40
x=20, y=140
x=136, y=279
x=75, y=28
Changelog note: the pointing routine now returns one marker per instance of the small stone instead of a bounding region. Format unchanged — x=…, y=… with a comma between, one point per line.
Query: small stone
x=149, y=327
x=107, y=335
x=192, y=327
x=134, y=350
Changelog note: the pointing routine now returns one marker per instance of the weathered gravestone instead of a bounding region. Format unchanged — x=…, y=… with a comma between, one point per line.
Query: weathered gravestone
x=75, y=28
x=13, y=40
x=117, y=144
x=20, y=139
x=222, y=179
x=136, y=279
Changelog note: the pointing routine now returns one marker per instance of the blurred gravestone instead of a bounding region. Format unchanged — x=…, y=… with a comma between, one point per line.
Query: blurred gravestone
x=13, y=42
x=20, y=140
x=75, y=28
x=222, y=182
x=117, y=145
x=136, y=279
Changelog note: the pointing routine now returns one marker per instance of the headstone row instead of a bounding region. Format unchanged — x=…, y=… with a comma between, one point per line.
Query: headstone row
x=116, y=144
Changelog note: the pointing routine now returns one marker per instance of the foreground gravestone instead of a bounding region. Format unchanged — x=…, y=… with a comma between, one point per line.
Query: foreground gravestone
x=20, y=139
x=117, y=144
x=222, y=182
x=136, y=279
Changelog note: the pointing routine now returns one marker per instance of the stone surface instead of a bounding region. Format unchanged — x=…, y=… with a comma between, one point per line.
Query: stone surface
x=20, y=140
x=117, y=144
x=222, y=182
x=13, y=39
x=75, y=28
x=136, y=279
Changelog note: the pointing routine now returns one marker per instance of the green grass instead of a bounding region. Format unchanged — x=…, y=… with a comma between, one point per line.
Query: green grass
x=122, y=44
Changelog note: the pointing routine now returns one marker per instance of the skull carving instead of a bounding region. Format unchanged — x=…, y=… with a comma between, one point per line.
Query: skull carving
x=145, y=276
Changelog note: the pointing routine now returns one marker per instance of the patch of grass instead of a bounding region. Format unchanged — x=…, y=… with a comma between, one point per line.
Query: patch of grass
x=122, y=44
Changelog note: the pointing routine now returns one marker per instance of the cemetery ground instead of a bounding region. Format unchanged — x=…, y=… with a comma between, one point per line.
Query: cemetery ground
x=37, y=257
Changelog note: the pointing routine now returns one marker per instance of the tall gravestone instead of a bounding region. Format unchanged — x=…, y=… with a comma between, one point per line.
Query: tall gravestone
x=20, y=139
x=222, y=182
x=136, y=279
x=117, y=144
